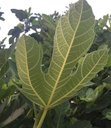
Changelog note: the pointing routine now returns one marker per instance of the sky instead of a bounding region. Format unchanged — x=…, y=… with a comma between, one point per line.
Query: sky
x=100, y=8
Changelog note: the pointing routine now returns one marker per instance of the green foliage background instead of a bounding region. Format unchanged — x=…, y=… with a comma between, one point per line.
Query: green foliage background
x=90, y=108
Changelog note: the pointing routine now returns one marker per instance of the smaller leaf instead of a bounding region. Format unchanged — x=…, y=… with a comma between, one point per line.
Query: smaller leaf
x=103, y=22
x=20, y=14
x=15, y=32
x=90, y=95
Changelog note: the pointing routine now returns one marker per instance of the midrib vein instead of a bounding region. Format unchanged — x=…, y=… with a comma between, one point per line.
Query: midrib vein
x=59, y=76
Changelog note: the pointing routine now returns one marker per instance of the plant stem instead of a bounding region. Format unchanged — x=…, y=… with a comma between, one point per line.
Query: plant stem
x=43, y=115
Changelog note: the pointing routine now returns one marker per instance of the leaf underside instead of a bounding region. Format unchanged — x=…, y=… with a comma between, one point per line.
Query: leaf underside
x=71, y=67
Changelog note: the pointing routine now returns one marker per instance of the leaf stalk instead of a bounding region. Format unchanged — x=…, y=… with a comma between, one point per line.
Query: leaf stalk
x=43, y=115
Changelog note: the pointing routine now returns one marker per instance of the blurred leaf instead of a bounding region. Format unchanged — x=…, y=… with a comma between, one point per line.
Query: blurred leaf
x=4, y=69
x=103, y=22
x=6, y=91
x=82, y=124
x=4, y=66
x=20, y=14
x=107, y=114
x=13, y=68
x=60, y=114
x=3, y=56
x=15, y=32
x=90, y=95
x=2, y=45
x=1, y=18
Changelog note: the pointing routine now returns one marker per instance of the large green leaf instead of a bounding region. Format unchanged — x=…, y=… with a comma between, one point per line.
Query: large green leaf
x=73, y=37
x=28, y=59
